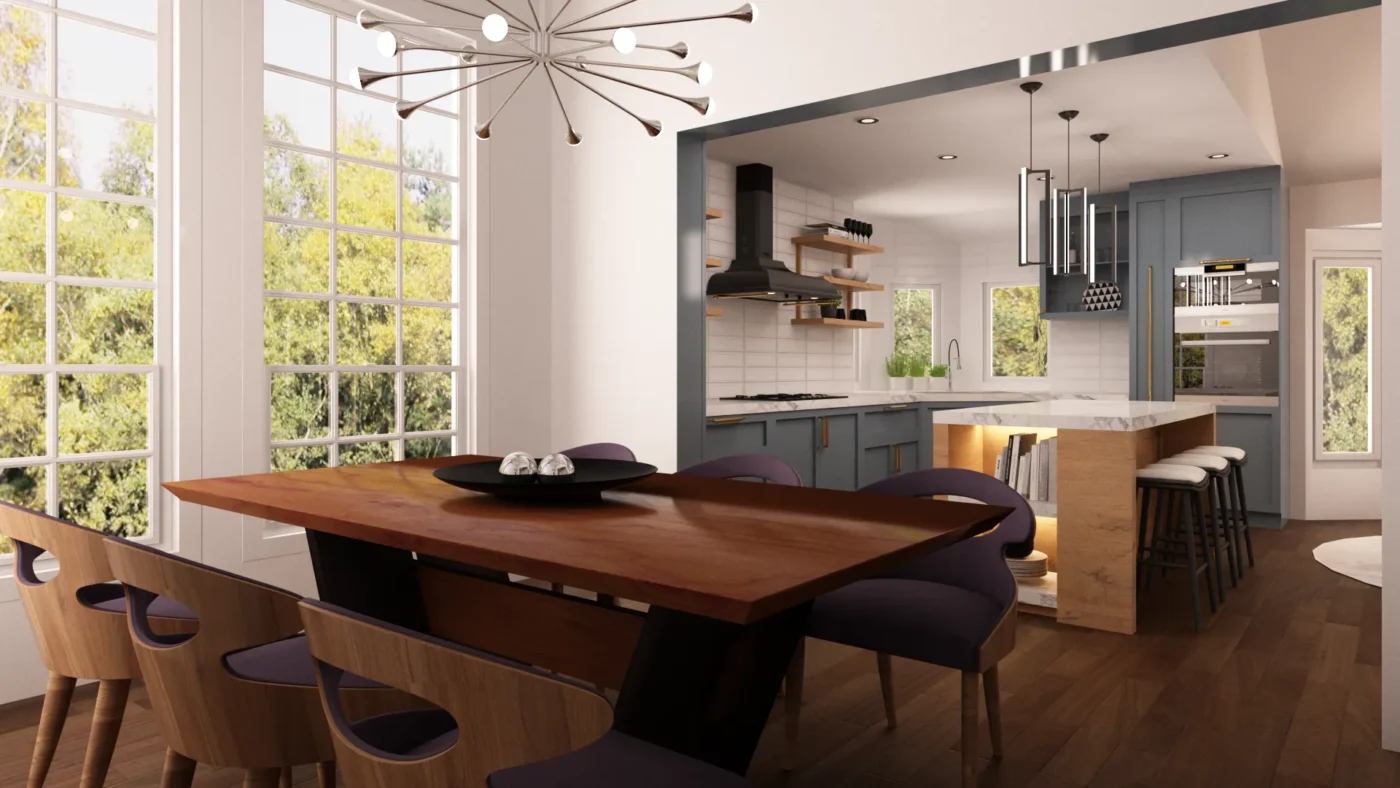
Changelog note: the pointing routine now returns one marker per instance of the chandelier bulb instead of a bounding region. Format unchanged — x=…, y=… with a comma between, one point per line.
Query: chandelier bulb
x=624, y=41
x=495, y=27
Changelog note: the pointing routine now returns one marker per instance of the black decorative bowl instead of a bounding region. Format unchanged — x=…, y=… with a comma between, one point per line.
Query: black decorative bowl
x=590, y=479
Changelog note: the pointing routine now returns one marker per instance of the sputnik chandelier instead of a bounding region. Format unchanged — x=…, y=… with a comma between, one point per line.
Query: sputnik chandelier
x=566, y=49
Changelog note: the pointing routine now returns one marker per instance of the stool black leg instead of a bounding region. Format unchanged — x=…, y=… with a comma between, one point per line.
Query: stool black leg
x=1143, y=548
x=1244, y=513
x=1191, y=556
x=1160, y=531
x=1222, y=531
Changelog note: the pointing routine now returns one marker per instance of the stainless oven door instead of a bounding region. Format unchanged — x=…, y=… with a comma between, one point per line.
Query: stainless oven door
x=1232, y=363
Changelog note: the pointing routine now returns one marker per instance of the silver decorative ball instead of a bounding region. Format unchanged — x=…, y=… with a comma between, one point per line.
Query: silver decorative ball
x=556, y=465
x=518, y=463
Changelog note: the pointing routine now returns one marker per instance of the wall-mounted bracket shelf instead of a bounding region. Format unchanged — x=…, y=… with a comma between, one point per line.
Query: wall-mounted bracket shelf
x=831, y=243
x=713, y=213
x=713, y=262
x=834, y=323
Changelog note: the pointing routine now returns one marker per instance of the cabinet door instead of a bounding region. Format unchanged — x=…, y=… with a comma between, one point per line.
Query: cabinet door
x=837, y=459
x=795, y=441
x=905, y=458
x=1257, y=434
x=876, y=463
x=739, y=437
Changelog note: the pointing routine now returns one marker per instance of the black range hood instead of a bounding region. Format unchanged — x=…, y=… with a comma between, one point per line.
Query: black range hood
x=754, y=273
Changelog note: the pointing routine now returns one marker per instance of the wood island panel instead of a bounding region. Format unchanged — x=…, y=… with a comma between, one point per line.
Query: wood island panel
x=1098, y=542
x=729, y=550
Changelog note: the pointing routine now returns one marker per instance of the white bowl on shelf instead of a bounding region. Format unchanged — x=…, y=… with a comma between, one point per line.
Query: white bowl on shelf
x=846, y=273
x=860, y=276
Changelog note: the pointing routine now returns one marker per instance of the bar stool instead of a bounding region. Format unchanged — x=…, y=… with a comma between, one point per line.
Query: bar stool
x=1239, y=507
x=79, y=623
x=1167, y=547
x=495, y=723
x=1222, y=532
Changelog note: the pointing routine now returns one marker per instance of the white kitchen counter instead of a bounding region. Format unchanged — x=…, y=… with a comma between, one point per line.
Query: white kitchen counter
x=1123, y=416
x=866, y=399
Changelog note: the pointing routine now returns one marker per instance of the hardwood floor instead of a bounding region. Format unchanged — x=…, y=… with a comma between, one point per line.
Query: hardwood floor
x=1281, y=691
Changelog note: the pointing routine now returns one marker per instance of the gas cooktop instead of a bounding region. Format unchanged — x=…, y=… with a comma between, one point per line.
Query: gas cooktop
x=785, y=397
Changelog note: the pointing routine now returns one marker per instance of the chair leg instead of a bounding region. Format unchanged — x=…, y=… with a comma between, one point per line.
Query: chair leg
x=1191, y=532
x=106, y=726
x=991, y=689
x=882, y=661
x=792, y=704
x=286, y=780
x=325, y=774
x=56, y=700
x=179, y=771
x=969, y=728
x=262, y=778
x=1244, y=514
x=557, y=588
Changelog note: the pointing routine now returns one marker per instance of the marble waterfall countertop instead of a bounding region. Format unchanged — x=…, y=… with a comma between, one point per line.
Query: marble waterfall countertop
x=867, y=399
x=1122, y=416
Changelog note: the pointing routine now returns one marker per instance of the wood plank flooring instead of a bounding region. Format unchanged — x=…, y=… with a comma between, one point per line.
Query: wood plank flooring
x=1282, y=691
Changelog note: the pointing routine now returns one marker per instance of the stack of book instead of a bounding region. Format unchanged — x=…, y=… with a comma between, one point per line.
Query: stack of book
x=1028, y=466
x=826, y=228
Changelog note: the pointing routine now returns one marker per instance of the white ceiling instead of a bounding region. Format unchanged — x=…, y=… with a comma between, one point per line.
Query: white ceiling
x=1164, y=111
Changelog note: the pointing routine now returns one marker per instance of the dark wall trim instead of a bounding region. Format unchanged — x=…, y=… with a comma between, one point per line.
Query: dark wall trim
x=691, y=149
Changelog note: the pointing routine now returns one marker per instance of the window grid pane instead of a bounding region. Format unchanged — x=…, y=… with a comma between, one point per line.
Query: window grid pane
x=78, y=441
x=1346, y=360
x=358, y=361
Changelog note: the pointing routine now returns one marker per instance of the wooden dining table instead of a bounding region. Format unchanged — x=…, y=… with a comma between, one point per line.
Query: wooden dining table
x=729, y=570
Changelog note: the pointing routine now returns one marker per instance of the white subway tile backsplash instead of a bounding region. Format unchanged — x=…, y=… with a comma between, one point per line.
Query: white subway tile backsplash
x=718, y=390
x=755, y=341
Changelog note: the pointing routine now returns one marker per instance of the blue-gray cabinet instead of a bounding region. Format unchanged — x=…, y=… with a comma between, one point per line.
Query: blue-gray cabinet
x=1178, y=222
x=837, y=448
x=1061, y=294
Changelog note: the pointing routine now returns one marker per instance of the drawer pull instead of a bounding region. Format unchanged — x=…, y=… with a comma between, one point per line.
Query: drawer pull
x=898, y=459
x=826, y=433
x=896, y=407
x=727, y=420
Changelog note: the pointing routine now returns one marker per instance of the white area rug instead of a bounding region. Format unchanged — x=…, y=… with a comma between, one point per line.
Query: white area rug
x=1358, y=558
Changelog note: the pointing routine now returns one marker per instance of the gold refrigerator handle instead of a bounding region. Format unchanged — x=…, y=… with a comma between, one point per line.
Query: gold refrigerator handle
x=1149, y=333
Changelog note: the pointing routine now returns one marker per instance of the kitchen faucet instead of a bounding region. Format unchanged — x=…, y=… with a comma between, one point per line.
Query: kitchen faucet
x=953, y=343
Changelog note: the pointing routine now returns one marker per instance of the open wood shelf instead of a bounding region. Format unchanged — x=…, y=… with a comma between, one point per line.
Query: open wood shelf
x=713, y=213
x=834, y=323
x=831, y=243
x=714, y=311
x=851, y=284
x=713, y=262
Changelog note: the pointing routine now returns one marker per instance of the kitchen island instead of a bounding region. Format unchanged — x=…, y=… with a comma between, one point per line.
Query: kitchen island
x=1091, y=538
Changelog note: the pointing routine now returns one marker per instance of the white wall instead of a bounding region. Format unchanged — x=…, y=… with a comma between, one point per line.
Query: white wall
x=754, y=348
x=915, y=256
x=1390, y=375
x=1323, y=490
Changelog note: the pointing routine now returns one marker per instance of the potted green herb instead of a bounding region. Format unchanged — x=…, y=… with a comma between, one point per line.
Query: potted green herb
x=938, y=377
x=919, y=372
x=897, y=368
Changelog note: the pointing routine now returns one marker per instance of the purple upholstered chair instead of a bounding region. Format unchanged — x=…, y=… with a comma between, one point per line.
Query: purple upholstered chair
x=955, y=607
x=542, y=731
x=764, y=467
x=600, y=451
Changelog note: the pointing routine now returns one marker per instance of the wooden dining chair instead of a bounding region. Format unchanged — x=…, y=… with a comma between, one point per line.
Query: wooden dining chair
x=240, y=693
x=495, y=723
x=758, y=467
x=955, y=608
x=79, y=623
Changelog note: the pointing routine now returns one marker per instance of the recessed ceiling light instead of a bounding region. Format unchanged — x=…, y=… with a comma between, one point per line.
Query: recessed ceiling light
x=947, y=156
x=867, y=121
x=1218, y=156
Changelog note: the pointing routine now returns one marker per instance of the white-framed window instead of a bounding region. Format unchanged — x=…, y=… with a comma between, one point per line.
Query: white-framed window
x=362, y=248
x=85, y=258
x=916, y=314
x=1018, y=340
x=1347, y=401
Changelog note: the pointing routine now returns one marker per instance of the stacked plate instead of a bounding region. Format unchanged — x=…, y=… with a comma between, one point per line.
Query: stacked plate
x=1034, y=565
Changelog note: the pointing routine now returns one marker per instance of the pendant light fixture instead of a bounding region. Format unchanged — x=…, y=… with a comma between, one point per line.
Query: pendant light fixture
x=1065, y=198
x=1027, y=172
x=1102, y=296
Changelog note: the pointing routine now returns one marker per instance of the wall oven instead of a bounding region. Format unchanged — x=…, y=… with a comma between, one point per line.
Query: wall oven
x=1226, y=329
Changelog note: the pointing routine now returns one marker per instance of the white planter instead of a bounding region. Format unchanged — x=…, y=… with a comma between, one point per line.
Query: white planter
x=921, y=383
x=901, y=384
x=938, y=384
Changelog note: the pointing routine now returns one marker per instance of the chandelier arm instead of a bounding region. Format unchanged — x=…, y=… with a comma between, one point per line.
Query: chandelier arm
x=539, y=28
x=574, y=137
x=471, y=14
x=557, y=14
x=744, y=14
x=701, y=105
x=595, y=14
x=653, y=127
x=580, y=50
x=407, y=108
x=368, y=77
x=680, y=50
x=688, y=72
x=509, y=15
x=484, y=130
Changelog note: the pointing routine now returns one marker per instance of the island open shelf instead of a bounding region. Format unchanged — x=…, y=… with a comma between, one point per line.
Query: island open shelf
x=1092, y=541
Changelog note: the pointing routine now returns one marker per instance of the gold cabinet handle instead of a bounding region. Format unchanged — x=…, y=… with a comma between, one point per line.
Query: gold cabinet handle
x=898, y=459
x=826, y=432
x=1149, y=333
x=728, y=420
x=896, y=407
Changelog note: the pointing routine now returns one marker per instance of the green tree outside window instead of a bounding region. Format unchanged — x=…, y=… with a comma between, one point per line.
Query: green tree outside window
x=1020, y=339
x=1346, y=360
x=913, y=324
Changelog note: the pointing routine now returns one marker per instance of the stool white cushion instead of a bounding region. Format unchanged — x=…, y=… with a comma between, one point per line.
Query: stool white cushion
x=1180, y=474
x=1228, y=452
x=1210, y=462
